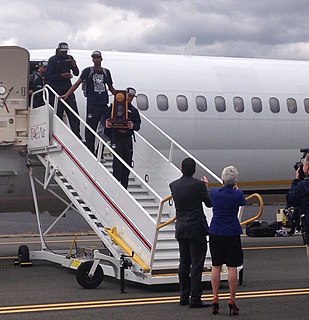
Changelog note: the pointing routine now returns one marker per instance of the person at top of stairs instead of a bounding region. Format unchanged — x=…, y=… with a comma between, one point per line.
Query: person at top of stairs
x=94, y=80
x=58, y=76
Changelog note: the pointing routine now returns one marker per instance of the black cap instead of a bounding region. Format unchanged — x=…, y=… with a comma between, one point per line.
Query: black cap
x=42, y=63
x=131, y=91
x=63, y=46
x=96, y=53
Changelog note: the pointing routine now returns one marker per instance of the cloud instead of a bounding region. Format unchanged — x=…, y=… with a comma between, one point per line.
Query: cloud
x=269, y=29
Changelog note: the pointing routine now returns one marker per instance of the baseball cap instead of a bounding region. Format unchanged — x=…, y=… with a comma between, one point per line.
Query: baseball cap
x=96, y=53
x=63, y=46
x=131, y=91
x=42, y=63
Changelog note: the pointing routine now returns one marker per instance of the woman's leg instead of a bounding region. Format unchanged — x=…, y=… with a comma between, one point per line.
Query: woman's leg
x=232, y=279
x=215, y=281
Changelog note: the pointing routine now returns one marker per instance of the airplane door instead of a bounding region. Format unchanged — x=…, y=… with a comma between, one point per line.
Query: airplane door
x=14, y=66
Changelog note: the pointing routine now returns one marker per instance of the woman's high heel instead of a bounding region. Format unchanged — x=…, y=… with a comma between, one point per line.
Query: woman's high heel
x=233, y=308
x=215, y=306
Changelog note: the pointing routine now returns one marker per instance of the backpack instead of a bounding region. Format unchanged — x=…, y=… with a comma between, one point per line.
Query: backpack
x=84, y=83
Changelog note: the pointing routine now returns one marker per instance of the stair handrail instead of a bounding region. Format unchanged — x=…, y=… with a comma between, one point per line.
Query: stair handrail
x=100, y=140
x=174, y=143
x=160, y=225
x=260, y=212
x=169, y=221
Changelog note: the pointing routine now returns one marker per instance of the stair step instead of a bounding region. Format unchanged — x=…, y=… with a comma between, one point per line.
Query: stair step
x=136, y=192
x=163, y=256
x=166, y=246
x=142, y=197
x=164, y=265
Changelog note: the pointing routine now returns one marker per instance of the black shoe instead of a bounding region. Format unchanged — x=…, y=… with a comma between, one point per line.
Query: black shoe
x=199, y=304
x=184, y=301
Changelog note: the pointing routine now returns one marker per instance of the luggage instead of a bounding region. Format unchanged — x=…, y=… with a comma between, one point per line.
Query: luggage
x=260, y=229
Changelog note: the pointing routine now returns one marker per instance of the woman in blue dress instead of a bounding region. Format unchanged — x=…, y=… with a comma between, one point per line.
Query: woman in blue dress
x=224, y=236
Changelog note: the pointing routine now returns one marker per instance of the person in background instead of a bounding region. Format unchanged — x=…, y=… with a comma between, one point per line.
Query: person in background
x=224, y=236
x=121, y=139
x=191, y=231
x=60, y=69
x=298, y=196
x=36, y=82
x=95, y=79
x=294, y=213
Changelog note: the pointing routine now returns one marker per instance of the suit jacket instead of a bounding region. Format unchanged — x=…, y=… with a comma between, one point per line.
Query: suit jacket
x=189, y=194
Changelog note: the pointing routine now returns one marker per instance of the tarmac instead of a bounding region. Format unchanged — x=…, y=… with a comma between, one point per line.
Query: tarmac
x=275, y=284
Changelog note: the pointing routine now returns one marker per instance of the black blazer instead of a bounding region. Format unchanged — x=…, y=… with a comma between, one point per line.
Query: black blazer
x=189, y=194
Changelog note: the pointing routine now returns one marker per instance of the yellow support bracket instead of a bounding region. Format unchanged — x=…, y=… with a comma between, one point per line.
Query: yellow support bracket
x=112, y=232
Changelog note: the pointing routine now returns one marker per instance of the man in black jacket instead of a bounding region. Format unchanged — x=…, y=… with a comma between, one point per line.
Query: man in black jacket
x=121, y=139
x=58, y=76
x=298, y=196
x=191, y=231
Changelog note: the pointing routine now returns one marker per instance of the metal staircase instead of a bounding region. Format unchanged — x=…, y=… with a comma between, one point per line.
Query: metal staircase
x=126, y=221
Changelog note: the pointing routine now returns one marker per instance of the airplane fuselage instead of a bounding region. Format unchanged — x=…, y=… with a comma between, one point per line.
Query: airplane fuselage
x=250, y=113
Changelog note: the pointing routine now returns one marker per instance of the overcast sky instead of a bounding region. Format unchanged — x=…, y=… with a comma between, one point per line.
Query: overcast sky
x=244, y=28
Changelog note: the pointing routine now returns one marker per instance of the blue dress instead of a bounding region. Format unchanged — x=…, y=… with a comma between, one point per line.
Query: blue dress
x=225, y=229
x=226, y=202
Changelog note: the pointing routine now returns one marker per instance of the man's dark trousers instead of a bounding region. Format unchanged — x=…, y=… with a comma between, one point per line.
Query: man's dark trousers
x=192, y=255
x=122, y=143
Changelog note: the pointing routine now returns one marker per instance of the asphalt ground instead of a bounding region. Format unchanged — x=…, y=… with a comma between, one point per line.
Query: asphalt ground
x=276, y=286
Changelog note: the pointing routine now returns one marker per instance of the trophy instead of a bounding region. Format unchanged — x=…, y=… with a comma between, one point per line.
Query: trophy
x=119, y=116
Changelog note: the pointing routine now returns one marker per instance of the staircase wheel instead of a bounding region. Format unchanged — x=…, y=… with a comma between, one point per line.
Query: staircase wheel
x=84, y=280
x=23, y=253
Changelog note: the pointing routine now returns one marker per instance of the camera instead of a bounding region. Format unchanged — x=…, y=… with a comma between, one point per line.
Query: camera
x=299, y=164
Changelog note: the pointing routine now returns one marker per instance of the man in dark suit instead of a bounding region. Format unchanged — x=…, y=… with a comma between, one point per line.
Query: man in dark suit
x=191, y=231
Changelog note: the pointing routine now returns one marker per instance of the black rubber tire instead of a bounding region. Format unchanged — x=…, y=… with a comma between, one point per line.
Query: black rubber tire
x=23, y=254
x=84, y=280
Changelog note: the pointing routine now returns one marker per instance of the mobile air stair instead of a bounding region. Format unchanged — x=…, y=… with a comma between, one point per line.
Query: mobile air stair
x=136, y=226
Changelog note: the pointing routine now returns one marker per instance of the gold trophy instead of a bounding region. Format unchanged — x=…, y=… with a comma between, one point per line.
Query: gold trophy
x=119, y=116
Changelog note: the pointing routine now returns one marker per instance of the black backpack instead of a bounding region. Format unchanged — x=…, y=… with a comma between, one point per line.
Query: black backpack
x=91, y=72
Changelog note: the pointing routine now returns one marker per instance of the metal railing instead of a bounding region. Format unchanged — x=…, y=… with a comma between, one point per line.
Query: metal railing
x=101, y=142
x=260, y=212
x=174, y=144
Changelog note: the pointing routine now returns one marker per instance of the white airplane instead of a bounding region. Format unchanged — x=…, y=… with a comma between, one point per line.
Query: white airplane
x=250, y=113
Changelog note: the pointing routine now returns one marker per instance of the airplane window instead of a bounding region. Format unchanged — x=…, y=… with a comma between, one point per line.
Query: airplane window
x=220, y=104
x=238, y=104
x=182, y=103
x=306, y=104
x=256, y=104
x=274, y=105
x=162, y=102
x=292, y=105
x=142, y=102
x=201, y=103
